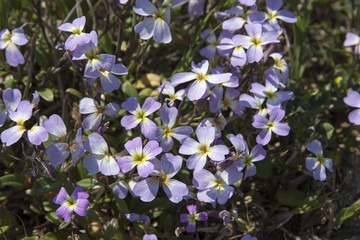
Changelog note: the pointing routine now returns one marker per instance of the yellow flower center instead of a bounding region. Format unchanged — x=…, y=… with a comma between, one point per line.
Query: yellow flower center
x=270, y=125
x=140, y=115
x=76, y=31
x=219, y=184
x=139, y=158
x=256, y=41
x=247, y=160
x=204, y=149
x=160, y=15
x=226, y=102
x=279, y=63
x=201, y=77
x=70, y=202
x=167, y=132
x=271, y=15
x=7, y=37
x=193, y=217
x=270, y=94
x=320, y=159
x=238, y=48
x=215, y=43
x=92, y=55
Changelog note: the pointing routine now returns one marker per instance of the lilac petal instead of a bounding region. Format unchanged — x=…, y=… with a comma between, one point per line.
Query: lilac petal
x=276, y=115
x=146, y=189
x=203, y=216
x=328, y=164
x=246, y=100
x=64, y=212
x=274, y=4
x=88, y=105
x=96, y=144
x=162, y=32
x=81, y=51
x=66, y=27
x=211, y=37
x=92, y=69
x=61, y=197
x=145, y=169
x=79, y=23
x=260, y=121
x=258, y=153
x=107, y=61
x=150, y=106
x=92, y=121
x=254, y=54
x=219, y=78
x=108, y=166
x=225, y=194
x=191, y=227
x=320, y=173
x=55, y=126
x=148, y=128
x=225, y=44
x=184, y=218
x=218, y=152
x=189, y=147
x=168, y=116
x=182, y=133
x=11, y=98
x=120, y=190
x=233, y=24
x=175, y=190
x=18, y=37
x=129, y=122
x=231, y=174
x=286, y=16
x=280, y=97
x=354, y=117
x=119, y=69
x=57, y=153
x=196, y=162
x=263, y=137
x=203, y=179
x=208, y=51
x=112, y=109
x=269, y=37
x=183, y=77
x=250, y=171
x=109, y=82
x=352, y=99
x=3, y=115
x=281, y=129
x=131, y=105
x=144, y=8
x=134, y=146
x=258, y=90
x=92, y=163
x=237, y=141
x=351, y=39
x=176, y=3
x=150, y=237
x=152, y=149
x=254, y=30
x=145, y=28
x=80, y=207
x=12, y=135
x=311, y=163
x=166, y=143
x=207, y=195
x=126, y=163
x=13, y=55
x=205, y=135
x=238, y=57
x=257, y=17
x=191, y=208
x=197, y=90
x=200, y=68
x=171, y=164
x=196, y=7
x=315, y=147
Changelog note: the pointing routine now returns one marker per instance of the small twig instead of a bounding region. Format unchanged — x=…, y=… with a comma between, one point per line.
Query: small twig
x=31, y=67
x=119, y=38
x=22, y=223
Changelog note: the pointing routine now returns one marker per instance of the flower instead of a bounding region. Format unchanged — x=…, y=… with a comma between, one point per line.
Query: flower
x=248, y=101
x=230, y=100
x=155, y=26
x=107, y=79
x=234, y=23
x=353, y=100
x=238, y=57
x=210, y=50
x=96, y=112
x=216, y=187
x=139, y=115
x=36, y=135
x=169, y=166
x=318, y=164
x=11, y=100
x=77, y=203
x=192, y=217
x=199, y=72
x=140, y=157
x=279, y=68
x=352, y=39
x=270, y=125
x=199, y=151
x=9, y=41
x=248, y=237
x=77, y=38
x=168, y=89
x=100, y=160
x=60, y=151
x=166, y=132
x=96, y=62
x=196, y=7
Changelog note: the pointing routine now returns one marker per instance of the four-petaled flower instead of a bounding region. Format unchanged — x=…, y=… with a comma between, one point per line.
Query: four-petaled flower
x=318, y=164
x=192, y=217
x=77, y=38
x=353, y=100
x=10, y=41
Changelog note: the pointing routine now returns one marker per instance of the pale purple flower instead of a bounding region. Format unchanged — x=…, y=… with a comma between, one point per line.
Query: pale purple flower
x=238, y=56
x=124, y=186
x=318, y=164
x=196, y=7
x=210, y=50
x=248, y=101
x=168, y=89
x=273, y=14
x=270, y=91
x=167, y=132
x=234, y=23
x=101, y=159
x=230, y=100
x=156, y=26
x=352, y=39
x=219, y=123
x=279, y=68
x=9, y=41
x=353, y=100
x=248, y=237
x=95, y=62
x=140, y=157
x=216, y=187
x=140, y=115
x=96, y=112
x=11, y=100
x=77, y=38
x=36, y=135
x=77, y=203
x=192, y=217
x=200, y=150
x=169, y=166
x=199, y=74
x=244, y=155
x=256, y=39
x=61, y=150
x=270, y=125
x=107, y=79
x=218, y=89
x=123, y=1
x=247, y=2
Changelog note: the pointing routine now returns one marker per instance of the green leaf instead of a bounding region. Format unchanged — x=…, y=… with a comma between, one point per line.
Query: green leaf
x=90, y=184
x=329, y=129
x=91, y=213
x=74, y=92
x=4, y=229
x=348, y=213
x=51, y=217
x=47, y=94
x=129, y=90
x=43, y=186
x=64, y=225
x=13, y=180
x=291, y=197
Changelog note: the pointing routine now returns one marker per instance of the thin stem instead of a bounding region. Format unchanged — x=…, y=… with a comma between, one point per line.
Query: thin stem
x=31, y=68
